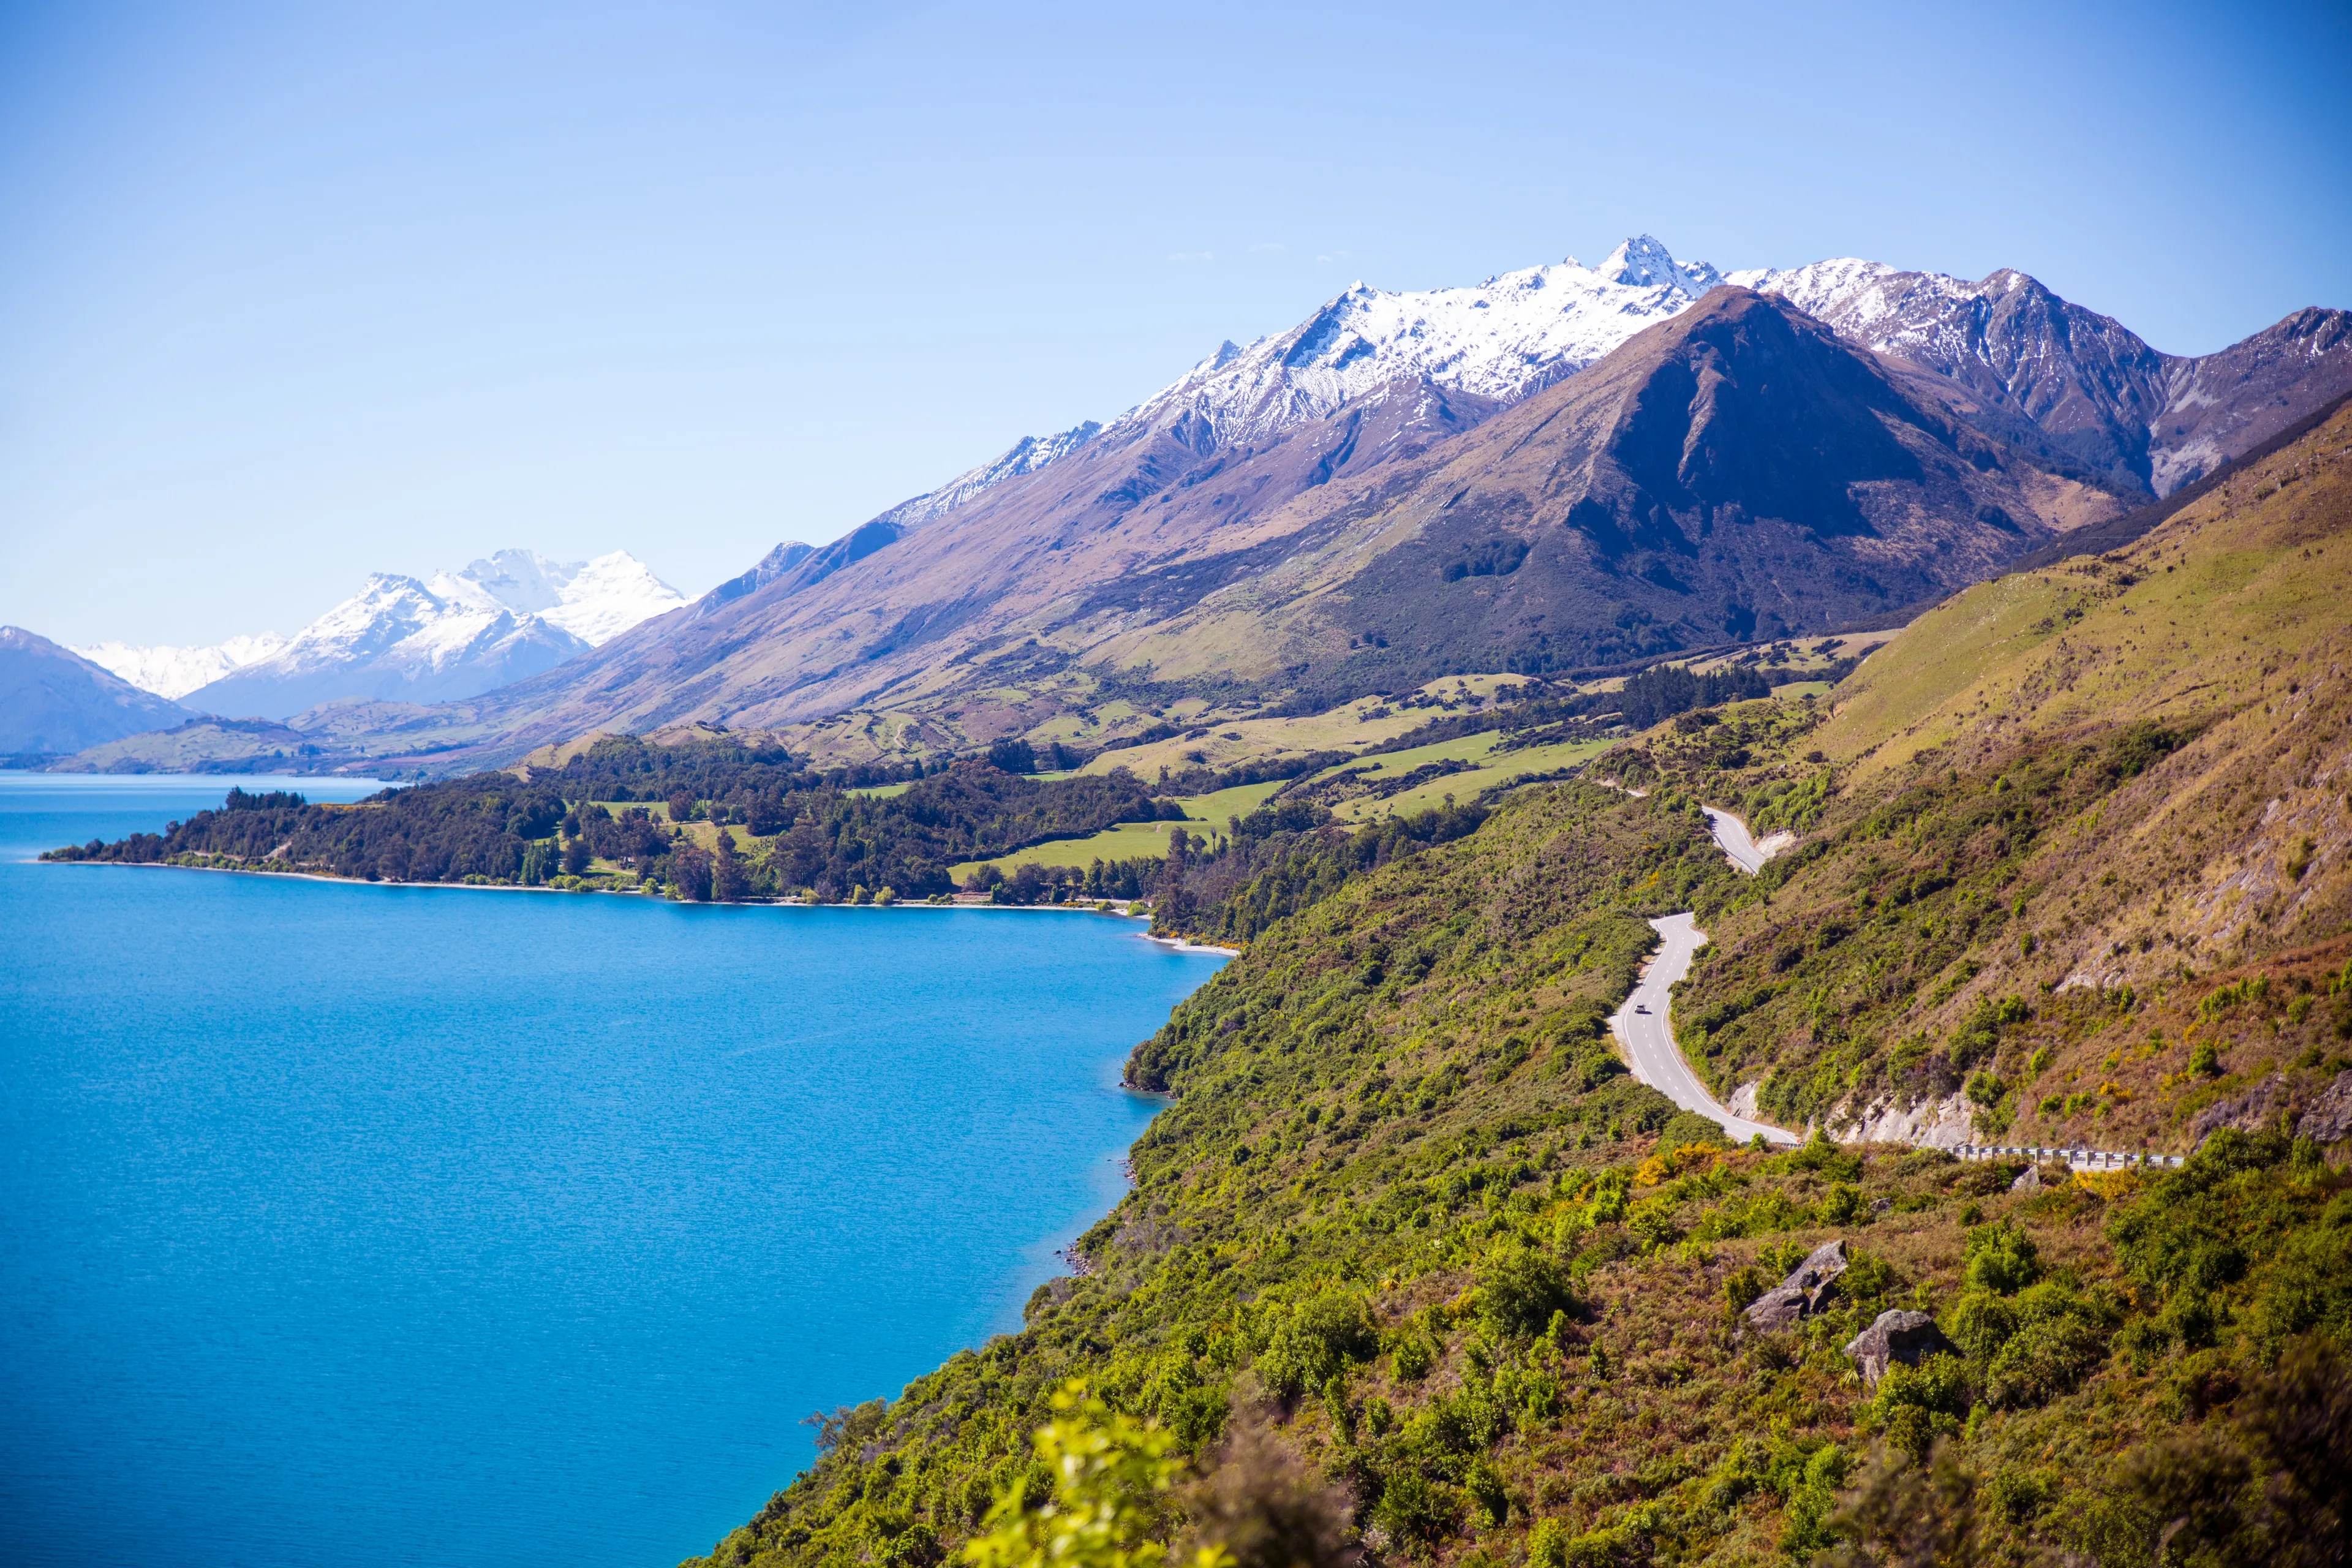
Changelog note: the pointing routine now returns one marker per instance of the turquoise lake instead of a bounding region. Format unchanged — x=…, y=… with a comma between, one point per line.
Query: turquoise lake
x=359, y=1225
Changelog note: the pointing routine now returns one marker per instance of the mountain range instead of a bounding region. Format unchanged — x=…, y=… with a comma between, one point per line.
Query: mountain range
x=456, y=634
x=1561, y=468
x=52, y=699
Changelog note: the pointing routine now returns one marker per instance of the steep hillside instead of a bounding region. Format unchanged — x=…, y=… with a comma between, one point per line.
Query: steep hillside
x=1737, y=472
x=2041, y=823
x=54, y=700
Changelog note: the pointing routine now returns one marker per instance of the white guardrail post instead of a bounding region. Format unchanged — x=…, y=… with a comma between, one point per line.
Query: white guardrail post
x=2092, y=1158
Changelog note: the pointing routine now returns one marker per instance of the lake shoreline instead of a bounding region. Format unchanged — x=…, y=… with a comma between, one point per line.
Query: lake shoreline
x=1174, y=943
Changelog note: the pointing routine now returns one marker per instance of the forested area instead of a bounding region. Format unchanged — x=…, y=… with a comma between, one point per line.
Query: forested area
x=626, y=806
x=1534, y=715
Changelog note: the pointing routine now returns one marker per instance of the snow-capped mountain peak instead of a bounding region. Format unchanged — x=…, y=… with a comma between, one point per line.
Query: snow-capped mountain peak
x=1641, y=262
x=1520, y=332
x=1502, y=338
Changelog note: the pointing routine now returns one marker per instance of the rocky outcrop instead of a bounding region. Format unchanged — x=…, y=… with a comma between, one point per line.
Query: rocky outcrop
x=2328, y=1118
x=2257, y=1109
x=2276, y=1103
x=1808, y=1290
x=2028, y=1180
x=1945, y=1123
x=1906, y=1337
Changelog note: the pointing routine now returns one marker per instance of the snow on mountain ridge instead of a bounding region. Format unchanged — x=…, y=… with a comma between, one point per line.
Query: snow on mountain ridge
x=2086, y=380
x=1505, y=338
x=456, y=634
x=169, y=672
x=455, y=615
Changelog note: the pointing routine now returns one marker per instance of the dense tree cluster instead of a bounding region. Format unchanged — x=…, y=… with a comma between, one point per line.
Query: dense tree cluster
x=830, y=834
x=1537, y=714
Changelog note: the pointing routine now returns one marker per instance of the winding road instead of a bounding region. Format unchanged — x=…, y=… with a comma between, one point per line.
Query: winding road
x=1645, y=1023
x=1731, y=836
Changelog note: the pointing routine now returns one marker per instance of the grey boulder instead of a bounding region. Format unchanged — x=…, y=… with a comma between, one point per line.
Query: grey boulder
x=1907, y=1337
x=1806, y=1290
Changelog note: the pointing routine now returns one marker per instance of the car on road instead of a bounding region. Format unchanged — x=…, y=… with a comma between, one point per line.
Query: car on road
x=1638, y=1008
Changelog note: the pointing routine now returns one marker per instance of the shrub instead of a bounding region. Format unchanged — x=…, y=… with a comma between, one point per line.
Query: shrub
x=2000, y=1258
x=1413, y=1511
x=2057, y=1342
x=1520, y=1289
x=1981, y=1323
x=1110, y=1473
x=1315, y=1341
x=1411, y=1356
x=1484, y=1485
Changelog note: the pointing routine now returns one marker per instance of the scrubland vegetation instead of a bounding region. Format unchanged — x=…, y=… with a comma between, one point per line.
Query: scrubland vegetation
x=1412, y=1270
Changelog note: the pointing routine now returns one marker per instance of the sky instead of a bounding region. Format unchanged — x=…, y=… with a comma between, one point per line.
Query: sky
x=290, y=293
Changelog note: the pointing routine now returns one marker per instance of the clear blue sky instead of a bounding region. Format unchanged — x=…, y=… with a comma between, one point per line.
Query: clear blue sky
x=289, y=293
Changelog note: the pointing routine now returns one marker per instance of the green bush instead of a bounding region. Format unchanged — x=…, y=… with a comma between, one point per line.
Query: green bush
x=1980, y=1322
x=1414, y=1511
x=1411, y=1355
x=1315, y=1341
x=2001, y=1258
x=2058, y=1341
x=1520, y=1290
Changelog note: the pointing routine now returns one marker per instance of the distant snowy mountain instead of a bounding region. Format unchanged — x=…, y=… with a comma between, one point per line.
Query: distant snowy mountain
x=596, y=601
x=175, y=671
x=456, y=634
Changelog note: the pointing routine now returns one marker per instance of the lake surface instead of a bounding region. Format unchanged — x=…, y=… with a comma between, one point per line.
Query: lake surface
x=360, y=1225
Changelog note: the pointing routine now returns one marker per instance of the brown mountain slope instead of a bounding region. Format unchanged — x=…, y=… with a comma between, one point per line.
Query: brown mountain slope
x=1738, y=469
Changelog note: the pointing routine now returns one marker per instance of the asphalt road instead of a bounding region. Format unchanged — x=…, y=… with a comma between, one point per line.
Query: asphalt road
x=1649, y=1038
x=1731, y=836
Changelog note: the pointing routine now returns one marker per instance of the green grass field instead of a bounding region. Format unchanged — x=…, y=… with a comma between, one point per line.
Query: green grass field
x=1493, y=769
x=1134, y=840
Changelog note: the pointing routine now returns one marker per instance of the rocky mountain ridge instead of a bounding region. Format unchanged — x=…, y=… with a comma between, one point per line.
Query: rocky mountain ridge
x=2140, y=417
